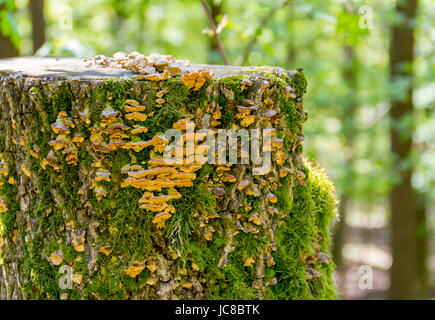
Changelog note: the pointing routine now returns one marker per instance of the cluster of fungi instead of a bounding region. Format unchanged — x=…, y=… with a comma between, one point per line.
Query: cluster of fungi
x=247, y=196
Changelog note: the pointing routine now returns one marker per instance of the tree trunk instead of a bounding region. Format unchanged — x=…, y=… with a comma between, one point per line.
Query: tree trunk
x=7, y=49
x=404, y=275
x=214, y=56
x=38, y=23
x=349, y=132
x=90, y=211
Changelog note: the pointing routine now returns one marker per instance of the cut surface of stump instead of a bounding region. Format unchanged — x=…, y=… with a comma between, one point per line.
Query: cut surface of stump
x=90, y=208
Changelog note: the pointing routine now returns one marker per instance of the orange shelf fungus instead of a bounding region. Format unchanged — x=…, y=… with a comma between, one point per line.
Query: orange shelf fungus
x=300, y=175
x=160, y=101
x=78, y=138
x=56, y=258
x=266, y=84
x=249, y=262
x=26, y=171
x=218, y=192
x=276, y=142
x=221, y=168
x=279, y=158
x=151, y=266
x=115, y=144
x=116, y=128
x=174, y=68
x=134, y=109
x=270, y=197
x=289, y=92
x=158, y=76
x=255, y=219
x=187, y=285
x=105, y=249
x=136, y=268
x=245, y=111
x=136, y=116
x=4, y=170
x=138, y=129
x=59, y=127
x=193, y=80
x=272, y=211
x=246, y=83
x=243, y=184
x=3, y=205
x=283, y=172
x=102, y=175
x=161, y=93
x=129, y=168
x=323, y=257
x=153, y=207
x=152, y=172
x=78, y=240
x=268, y=102
x=132, y=102
x=84, y=117
x=137, y=146
x=269, y=114
x=226, y=177
x=183, y=123
x=59, y=143
x=269, y=261
x=207, y=74
x=217, y=115
x=208, y=234
x=160, y=218
x=100, y=193
x=247, y=121
x=77, y=278
x=50, y=160
x=312, y=273
x=107, y=116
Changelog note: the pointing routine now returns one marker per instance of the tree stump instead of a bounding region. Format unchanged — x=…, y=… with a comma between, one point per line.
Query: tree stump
x=89, y=210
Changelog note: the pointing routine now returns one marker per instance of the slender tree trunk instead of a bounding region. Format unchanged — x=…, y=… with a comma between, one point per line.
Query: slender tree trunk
x=422, y=244
x=7, y=49
x=291, y=48
x=215, y=10
x=404, y=275
x=349, y=72
x=38, y=23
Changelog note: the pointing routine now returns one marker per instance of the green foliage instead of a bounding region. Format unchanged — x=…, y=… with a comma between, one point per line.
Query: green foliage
x=8, y=23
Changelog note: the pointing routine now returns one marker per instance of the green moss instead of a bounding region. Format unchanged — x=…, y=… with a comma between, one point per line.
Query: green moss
x=7, y=219
x=313, y=210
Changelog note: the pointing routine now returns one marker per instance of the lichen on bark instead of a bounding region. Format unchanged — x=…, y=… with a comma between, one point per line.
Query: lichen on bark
x=78, y=219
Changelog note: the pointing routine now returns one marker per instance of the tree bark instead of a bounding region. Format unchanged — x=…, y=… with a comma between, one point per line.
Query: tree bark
x=404, y=275
x=38, y=23
x=350, y=69
x=79, y=207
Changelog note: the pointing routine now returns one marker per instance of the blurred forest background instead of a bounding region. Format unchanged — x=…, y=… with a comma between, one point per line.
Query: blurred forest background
x=370, y=67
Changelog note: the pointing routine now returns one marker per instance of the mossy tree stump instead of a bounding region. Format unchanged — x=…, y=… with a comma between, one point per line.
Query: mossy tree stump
x=79, y=220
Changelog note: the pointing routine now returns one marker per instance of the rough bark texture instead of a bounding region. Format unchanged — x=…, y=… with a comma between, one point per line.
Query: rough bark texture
x=72, y=224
